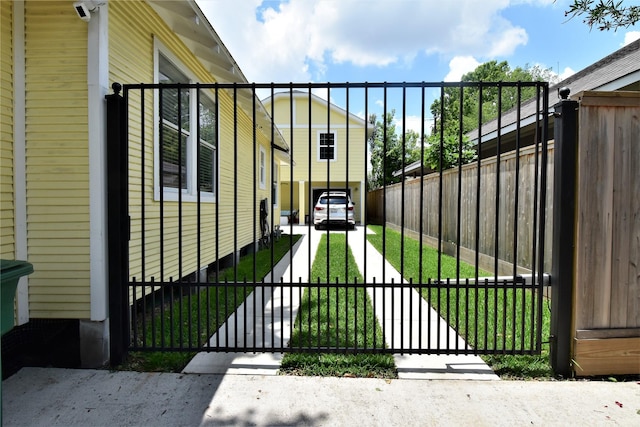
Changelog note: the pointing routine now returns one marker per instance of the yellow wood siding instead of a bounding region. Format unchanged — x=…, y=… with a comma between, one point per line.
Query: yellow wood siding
x=133, y=27
x=7, y=240
x=57, y=160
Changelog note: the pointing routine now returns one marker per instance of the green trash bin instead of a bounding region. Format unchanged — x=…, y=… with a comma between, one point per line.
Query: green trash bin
x=10, y=273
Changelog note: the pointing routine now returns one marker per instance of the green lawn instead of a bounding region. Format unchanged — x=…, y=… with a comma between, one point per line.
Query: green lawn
x=500, y=319
x=336, y=317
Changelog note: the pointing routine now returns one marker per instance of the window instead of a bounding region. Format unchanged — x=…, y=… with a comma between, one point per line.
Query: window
x=263, y=168
x=327, y=146
x=186, y=160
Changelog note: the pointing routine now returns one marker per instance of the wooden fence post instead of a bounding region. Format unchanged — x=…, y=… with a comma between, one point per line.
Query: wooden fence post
x=564, y=232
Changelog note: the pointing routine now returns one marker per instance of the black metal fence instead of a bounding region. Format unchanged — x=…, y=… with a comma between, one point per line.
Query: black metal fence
x=191, y=163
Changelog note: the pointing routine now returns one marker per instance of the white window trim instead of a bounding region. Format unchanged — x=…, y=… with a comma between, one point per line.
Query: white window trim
x=190, y=194
x=335, y=146
x=262, y=168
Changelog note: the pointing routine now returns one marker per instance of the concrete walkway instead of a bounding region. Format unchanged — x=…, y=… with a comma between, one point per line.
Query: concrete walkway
x=396, y=308
x=75, y=397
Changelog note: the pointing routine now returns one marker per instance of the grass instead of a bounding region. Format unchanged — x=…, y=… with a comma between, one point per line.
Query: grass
x=206, y=310
x=502, y=319
x=336, y=317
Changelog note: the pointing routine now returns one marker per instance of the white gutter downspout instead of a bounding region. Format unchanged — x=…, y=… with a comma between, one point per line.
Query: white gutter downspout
x=98, y=84
x=20, y=158
x=94, y=334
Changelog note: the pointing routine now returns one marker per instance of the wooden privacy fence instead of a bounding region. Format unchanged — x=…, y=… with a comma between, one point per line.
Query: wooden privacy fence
x=607, y=263
x=408, y=195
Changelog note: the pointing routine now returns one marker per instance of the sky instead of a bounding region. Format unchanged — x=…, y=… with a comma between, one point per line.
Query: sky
x=403, y=40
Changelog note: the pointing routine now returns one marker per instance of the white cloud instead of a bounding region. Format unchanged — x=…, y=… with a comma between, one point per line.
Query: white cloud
x=566, y=73
x=510, y=40
x=459, y=66
x=414, y=123
x=630, y=37
x=296, y=40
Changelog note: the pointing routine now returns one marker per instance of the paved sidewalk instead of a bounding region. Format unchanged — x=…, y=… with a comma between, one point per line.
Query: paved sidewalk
x=388, y=309
x=64, y=397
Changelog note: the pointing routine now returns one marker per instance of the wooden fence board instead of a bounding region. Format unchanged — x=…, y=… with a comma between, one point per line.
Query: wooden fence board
x=613, y=356
x=621, y=222
x=633, y=186
x=595, y=196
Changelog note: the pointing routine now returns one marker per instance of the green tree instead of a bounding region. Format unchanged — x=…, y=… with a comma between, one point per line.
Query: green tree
x=387, y=152
x=604, y=14
x=450, y=149
x=466, y=106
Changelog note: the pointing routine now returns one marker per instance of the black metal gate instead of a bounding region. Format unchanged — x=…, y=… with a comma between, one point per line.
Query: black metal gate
x=448, y=255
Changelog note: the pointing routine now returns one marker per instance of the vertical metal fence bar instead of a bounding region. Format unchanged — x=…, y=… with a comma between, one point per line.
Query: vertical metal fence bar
x=198, y=229
x=235, y=211
x=310, y=190
x=346, y=185
x=543, y=204
x=496, y=230
x=161, y=209
x=477, y=221
x=182, y=141
x=135, y=315
x=384, y=214
x=429, y=303
x=172, y=332
x=255, y=203
x=440, y=192
x=421, y=214
x=217, y=227
x=143, y=273
x=356, y=315
x=364, y=224
x=346, y=272
x=153, y=318
x=318, y=329
x=272, y=287
x=402, y=213
x=256, y=241
x=516, y=216
x=338, y=314
x=226, y=310
x=375, y=330
x=538, y=135
x=459, y=224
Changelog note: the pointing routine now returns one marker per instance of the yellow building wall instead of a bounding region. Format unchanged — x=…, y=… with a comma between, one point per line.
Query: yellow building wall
x=7, y=240
x=133, y=27
x=57, y=160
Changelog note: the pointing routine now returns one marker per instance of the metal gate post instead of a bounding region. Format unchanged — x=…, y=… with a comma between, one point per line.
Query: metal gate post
x=117, y=225
x=564, y=226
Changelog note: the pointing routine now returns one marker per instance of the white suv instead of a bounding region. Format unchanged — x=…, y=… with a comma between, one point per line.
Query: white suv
x=334, y=207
